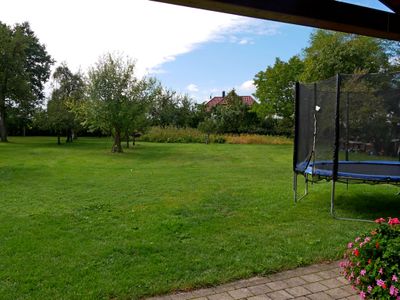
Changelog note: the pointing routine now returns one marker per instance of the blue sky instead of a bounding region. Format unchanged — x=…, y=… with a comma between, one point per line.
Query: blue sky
x=192, y=51
x=228, y=63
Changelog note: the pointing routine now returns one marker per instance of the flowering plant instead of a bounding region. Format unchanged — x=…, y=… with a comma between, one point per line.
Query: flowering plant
x=372, y=261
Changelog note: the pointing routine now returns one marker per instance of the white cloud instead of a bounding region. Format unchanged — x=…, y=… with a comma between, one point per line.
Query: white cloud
x=244, y=42
x=78, y=32
x=192, y=88
x=247, y=86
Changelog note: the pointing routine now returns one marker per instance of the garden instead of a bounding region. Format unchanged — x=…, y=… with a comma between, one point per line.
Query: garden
x=77, y=221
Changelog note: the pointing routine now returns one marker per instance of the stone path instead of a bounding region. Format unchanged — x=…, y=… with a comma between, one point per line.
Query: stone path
x=316, y=282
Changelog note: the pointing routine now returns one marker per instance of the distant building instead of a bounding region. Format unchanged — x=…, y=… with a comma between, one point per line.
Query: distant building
x=248, y=100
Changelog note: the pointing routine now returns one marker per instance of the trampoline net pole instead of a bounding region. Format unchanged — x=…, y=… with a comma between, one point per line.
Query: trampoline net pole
x=336, y=145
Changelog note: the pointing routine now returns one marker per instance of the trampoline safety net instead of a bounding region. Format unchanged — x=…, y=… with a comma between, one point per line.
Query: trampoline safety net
x=348, y=128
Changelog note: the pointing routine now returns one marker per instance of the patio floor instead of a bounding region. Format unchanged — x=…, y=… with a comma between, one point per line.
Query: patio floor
x=316, y=282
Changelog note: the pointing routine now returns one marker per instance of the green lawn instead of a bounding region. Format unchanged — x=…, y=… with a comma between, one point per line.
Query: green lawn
x=77, y=222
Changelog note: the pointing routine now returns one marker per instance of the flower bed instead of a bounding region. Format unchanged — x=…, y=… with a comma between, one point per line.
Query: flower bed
x=372, y=261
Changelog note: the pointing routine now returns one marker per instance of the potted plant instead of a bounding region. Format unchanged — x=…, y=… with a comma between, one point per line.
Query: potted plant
x=372, y=261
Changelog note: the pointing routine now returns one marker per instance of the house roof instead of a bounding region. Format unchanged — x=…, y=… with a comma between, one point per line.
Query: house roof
x=249, y=100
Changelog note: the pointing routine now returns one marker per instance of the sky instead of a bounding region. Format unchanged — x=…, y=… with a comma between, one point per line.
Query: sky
x=192, y=51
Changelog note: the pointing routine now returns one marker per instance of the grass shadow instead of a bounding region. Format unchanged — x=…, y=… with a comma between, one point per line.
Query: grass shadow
x=369, y=205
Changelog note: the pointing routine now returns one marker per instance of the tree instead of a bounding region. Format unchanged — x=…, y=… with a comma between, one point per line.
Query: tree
x=164, y=108
x=118, y=100
x=68, y=92
x=24, y=68
x=275, y=90
x=332, y=52
x=208, y=126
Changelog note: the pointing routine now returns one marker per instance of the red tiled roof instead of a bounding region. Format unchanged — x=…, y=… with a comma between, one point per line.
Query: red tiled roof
x=249, y=100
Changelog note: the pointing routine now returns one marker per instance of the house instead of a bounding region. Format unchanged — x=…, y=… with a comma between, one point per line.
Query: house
x=248, y=100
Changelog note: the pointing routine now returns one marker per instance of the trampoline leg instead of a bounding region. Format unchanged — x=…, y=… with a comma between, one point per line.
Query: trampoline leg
x=296, y=199
x=295, y=186
x=333, y=207
x=333, y=199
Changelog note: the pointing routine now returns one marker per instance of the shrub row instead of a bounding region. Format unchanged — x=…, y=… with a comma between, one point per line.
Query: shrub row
x=191, y=135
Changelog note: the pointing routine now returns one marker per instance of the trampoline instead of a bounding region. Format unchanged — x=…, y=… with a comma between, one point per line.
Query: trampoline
x=347, y=129
x=362, y=171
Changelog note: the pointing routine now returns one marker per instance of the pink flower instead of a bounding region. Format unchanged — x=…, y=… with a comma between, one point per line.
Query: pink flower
x=363, y=272
x=357, y=239
x=381, y=283
x=369, y=289
x=350, y=245
x=394, y=221
x=393, y=291
x=380, y=271
x=380, y=220
x=367, y=239
x=394, y=278
x=362, y=295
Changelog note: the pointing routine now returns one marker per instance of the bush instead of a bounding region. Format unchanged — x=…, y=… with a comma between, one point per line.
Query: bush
x=191, y=135
x=257, y=139
x=372, y=261
x=179, y=135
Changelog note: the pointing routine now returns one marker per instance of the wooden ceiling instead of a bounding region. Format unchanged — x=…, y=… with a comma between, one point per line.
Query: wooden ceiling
x=326, y=14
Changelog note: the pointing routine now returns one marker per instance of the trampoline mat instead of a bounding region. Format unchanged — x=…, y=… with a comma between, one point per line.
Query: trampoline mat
x=388, y=171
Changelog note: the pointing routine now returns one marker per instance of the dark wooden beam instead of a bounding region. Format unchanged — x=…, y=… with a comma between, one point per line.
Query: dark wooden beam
x=392, y=4
x=326, y=14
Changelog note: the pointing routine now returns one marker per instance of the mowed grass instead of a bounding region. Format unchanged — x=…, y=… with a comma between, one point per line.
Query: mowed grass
x=77, y=222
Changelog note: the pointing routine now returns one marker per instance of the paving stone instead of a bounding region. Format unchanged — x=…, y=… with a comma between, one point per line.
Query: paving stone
x=277, y=285
x=225, y=287
x=280, y=295
x=262, y=280
x=354, y=297
x=259, y=289
x=319, y=296
x=338, y=293
x=240, y=293
x=220, y=296
x=182, y=296
x=259, y=297
x=315, y=287
x=331, y=283
x=327, y=274
x=295, y=281
x=203, y=292
x=297, y=291
x=342, y=280
x=301, y=298
x=351, y=290
x=201, y=298
x=311, y=278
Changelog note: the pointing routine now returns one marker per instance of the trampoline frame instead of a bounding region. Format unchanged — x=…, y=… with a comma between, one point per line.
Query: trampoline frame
x=335, y=162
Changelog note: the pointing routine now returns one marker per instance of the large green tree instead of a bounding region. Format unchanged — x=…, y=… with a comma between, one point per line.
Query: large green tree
x=119, y=101
x=274, y=90
x=24, y=69
x=332, y=52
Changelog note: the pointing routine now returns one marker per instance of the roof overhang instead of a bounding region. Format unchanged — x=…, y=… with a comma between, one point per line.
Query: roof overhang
x=326, y=14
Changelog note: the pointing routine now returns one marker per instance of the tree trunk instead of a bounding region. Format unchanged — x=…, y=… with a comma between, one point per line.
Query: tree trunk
x=58, y=138
x=3, y=128
x=127, y=139
x=117, y=142
x=69, y=135
x=133, y=139
x=24, y=130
